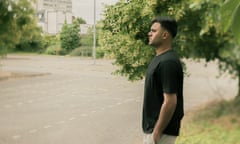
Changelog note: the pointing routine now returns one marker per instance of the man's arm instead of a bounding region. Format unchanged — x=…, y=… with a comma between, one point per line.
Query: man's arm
x=166, y=113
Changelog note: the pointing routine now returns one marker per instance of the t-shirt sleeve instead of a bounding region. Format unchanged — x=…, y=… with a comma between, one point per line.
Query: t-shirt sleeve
x=169, y=76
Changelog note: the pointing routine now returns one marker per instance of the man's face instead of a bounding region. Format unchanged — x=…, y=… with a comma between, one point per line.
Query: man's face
x=155, y=35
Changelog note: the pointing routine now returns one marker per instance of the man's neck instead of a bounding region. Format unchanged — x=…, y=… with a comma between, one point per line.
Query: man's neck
x=162, y=50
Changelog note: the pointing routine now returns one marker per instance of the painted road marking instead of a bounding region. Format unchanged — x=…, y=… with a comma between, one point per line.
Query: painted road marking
x=19, y=104
x=84, y=115
x=93, y=111
x=72, y=118
x=16, y=137
x=47, y=126
x=30, y=101
x=33, y=131
x=119, y=103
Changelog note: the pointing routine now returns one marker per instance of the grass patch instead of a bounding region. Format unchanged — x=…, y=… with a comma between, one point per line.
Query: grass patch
x=217, y=123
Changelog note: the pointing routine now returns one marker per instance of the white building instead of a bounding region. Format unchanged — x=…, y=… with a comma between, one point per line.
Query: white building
x=53, y=13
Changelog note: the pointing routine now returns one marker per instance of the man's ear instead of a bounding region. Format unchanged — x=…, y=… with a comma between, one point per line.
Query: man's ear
x=165, y=35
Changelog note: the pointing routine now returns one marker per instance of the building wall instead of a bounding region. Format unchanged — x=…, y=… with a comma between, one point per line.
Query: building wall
x=53, y=13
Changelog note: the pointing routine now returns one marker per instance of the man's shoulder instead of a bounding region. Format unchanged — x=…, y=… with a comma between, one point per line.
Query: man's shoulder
x=171, y=56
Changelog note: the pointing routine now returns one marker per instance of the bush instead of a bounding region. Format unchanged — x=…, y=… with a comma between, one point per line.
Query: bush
x=100, y=53
x=82, y=51
x=51, y=40
x=34, y=43
x=55, y=50
x=87, y=51
x=69, y=36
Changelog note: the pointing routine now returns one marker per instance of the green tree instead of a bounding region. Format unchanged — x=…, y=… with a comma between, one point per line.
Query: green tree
x=69, y=36
x=31, y=39
x=6, y=18
x=80, y=20
x=200, y=34
x=14, y=18
x=124, y=36
x=212, y=42
x=230, y=17
x=125, y=30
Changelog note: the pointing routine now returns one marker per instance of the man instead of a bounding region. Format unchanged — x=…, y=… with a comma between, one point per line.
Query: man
x=163, y=93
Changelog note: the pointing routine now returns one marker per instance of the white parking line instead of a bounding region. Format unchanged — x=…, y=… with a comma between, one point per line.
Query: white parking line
x=83, y=115
x=19, y=103
x=72, y=118
x=30, y=101
x=47, y=126
x=119, y=103
x=33, y=131
x=102, y=89
x=93, y=111
x=16, y=137
x=137, y=101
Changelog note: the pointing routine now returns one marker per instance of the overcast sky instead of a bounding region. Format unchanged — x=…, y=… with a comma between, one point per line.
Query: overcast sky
x=85, y=9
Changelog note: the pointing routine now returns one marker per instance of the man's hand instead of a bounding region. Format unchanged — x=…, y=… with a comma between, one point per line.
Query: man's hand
x=156, y=136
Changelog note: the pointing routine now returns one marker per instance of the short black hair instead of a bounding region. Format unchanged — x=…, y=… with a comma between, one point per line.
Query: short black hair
x=167, y=23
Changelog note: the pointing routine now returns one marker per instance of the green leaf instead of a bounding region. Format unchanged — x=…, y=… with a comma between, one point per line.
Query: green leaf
x=236, y=24
x=227, y=12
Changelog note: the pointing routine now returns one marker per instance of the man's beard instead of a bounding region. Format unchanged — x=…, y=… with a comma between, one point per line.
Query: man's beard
x=155, y=45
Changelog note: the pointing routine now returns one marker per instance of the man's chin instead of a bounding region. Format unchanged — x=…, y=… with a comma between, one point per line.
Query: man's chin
x=151, y=44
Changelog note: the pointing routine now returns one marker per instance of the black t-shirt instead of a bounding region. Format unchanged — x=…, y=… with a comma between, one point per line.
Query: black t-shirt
x=164, y=75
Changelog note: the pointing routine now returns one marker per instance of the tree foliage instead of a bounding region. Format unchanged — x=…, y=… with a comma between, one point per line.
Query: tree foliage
x=80, y=20
x=230, y=17
x=17, y=23
x=125, y=36
x=31, y=39
x=200, y=33
x=69, y=36
x=125, y=30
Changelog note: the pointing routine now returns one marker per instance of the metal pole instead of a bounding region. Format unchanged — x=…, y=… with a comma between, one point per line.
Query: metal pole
x=94, y=35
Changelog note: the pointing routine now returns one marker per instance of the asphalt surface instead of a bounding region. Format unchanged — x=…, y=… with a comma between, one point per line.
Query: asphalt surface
x=69, y=100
